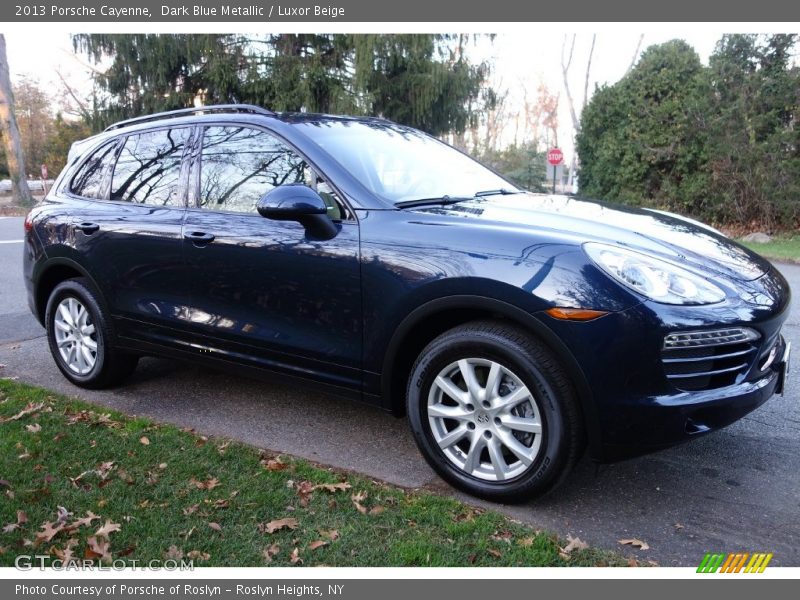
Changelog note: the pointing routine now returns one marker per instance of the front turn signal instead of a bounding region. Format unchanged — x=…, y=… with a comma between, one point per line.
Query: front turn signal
x=575, y=314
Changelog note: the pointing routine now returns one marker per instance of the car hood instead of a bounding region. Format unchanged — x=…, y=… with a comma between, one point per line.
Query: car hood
x=657, y=233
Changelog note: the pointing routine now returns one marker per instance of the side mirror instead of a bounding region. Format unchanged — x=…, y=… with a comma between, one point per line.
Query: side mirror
x=298, y=202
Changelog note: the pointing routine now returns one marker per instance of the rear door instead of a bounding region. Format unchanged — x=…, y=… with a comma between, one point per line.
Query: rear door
x=265, y=292
x=130, y=239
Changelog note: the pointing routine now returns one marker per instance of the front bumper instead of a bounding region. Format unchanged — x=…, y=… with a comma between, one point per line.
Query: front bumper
x=672, y=419
x=634, y=408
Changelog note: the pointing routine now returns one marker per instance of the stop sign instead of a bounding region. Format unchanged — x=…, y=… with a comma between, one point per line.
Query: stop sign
x=555, y=156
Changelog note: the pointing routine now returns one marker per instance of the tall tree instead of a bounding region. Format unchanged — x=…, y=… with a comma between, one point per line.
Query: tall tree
x=15, y=156
x=34, y=119
x=639, y=141
x=753, y=98
x=421, y=80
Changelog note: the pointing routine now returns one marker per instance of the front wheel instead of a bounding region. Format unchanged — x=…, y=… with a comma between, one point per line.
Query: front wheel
x=79, y=335
x=494, y=413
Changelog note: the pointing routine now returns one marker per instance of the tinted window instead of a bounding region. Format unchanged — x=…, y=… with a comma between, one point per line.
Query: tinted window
x=149, y=166
x=239, y=165
x=88, y=181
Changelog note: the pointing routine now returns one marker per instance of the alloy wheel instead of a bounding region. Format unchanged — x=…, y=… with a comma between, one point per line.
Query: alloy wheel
x=76, y=337
x=485, y=419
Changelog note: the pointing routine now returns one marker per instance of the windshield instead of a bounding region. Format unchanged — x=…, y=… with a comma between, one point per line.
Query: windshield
x=401, y=164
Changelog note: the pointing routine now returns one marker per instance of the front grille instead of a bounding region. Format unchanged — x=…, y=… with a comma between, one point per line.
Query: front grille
x=701, y=360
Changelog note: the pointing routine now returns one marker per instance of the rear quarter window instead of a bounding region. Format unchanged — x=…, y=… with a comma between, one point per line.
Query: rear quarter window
x=88, y=180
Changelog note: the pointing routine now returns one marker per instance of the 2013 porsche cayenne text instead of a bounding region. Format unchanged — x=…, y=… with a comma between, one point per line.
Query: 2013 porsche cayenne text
x=515, y=330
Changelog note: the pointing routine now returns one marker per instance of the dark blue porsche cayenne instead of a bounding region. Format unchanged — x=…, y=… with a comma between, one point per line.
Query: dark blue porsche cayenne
x=514, y=329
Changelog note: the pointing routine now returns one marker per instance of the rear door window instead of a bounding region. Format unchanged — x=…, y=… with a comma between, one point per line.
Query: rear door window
x=148, y=169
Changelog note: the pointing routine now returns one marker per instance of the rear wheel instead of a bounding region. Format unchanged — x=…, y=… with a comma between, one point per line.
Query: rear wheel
x=80, y=339
x=493, y=412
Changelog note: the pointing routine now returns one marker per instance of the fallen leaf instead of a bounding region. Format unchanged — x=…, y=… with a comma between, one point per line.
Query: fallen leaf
x=678, y=526
x=295, y=557
x=304, y=490
x=332, y=534
x=221, y=503
x=525, y=542
x=29, y=409
x=222, y=447
x=208, y=484
x=215, y=526
x=144, y=440
x=277, y=525
x=334, y=487
x=83, y=521
x=62, y=515
x=275, y=464
x=573, y=543
x=268, y=553
x=357, y=500
x=197, y=555
x=495, y=553
x=66, y=555
x=317, y=544
x=35, y=428
x=49, y=531
x=632, y=562
x=635, y=543
x=191, y=509
x=174, y=553
x=22, y=517
x=376, y=510
x=162, y=466
x=107, y=529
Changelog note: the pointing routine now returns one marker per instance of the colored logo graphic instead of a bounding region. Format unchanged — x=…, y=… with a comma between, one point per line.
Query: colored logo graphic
x=737, y=562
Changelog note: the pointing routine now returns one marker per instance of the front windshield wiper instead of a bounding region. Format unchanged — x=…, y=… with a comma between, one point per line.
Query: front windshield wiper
x=439, y=201
x=497, y=192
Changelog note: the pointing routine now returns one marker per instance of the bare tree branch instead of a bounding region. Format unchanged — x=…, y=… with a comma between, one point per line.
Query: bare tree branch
x=588, y=69
x=635, y=54
x=565, y=73
x=87, y=115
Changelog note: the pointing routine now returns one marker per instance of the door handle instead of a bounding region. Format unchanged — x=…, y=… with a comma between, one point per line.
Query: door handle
x=87, y=228
x=199, y=237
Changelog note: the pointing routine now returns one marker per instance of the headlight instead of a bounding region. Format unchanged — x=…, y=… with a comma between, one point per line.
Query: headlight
x=657, y=279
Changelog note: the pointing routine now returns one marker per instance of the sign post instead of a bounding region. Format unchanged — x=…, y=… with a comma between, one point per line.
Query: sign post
x=555, y=157
x=44, y=179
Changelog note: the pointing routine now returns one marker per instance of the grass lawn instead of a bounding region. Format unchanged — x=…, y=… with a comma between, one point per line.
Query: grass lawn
x=780, y=248
x=80, y=481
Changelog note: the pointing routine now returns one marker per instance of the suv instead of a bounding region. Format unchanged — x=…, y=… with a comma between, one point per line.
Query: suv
x=513, y=329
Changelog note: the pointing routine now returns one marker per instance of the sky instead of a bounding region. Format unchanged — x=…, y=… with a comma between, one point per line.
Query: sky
x=521, y=59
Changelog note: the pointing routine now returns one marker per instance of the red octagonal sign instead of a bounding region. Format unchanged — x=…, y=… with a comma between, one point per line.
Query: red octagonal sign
x=555, y=156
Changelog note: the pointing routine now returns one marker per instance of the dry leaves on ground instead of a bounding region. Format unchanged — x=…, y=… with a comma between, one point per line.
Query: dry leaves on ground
x=28, y=410
x=208, y=484
x=635, y=543
x=573, y=543
x=278, y=524
x=270, y=552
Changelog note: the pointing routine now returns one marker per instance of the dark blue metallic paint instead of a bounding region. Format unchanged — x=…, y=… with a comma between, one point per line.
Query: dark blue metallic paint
x=346, y=311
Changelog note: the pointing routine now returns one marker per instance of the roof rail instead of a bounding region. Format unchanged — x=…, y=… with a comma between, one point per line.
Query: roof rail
x=214, y=108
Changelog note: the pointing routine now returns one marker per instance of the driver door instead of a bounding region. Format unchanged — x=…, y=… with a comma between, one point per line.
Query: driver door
x=263, y=292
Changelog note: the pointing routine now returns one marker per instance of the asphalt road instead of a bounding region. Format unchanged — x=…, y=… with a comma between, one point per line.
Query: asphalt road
x=734, y=490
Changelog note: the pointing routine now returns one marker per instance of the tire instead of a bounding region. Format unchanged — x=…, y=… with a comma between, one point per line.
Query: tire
x=542, y=423
x=91, y=361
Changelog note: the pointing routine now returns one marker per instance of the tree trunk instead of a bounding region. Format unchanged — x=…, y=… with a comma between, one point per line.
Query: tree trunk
x=11, y=138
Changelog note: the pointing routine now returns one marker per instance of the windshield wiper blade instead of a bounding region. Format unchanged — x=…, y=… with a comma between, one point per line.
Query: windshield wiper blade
x=497, y=192
x=440, y=201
